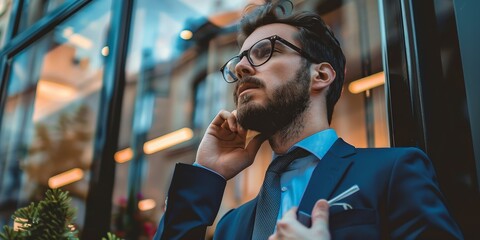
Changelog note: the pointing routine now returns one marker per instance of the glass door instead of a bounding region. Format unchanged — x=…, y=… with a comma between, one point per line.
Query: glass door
x=50, y=116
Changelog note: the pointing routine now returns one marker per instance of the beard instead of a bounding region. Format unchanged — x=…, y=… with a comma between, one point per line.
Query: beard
x=287, y=104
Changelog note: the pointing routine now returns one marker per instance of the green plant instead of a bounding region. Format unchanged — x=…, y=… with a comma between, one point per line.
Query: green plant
x=111, y=236
x=50, y=219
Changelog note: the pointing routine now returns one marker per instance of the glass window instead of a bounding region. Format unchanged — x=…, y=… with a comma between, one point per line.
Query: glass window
x=5, y=12
x=49, y=120
x=34, y=10
x=167, y=57
x=360, y=115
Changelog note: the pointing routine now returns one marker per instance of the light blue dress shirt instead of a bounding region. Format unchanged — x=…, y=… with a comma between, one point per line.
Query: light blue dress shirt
x=294, y=180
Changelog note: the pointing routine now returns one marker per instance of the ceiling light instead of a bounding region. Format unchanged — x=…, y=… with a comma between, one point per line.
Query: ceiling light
x=186, y=34
x=146, y=204
x=167, y=140
x=105, y=51
x=123, y=155
x=77, y=39
x=65, y=178
x=67, y=32
x=367, y=83
x=80, y=41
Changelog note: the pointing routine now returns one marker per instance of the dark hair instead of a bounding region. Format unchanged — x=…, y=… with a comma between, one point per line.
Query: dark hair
x=315, y=37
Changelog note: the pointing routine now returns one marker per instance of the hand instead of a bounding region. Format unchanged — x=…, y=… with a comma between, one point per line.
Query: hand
x=289, y=228
x=223, y=147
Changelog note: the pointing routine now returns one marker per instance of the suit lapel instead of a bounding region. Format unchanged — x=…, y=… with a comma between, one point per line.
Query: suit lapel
x=327, y=175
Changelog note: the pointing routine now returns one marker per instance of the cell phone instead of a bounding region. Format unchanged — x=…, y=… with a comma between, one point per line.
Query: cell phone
x=304, y=218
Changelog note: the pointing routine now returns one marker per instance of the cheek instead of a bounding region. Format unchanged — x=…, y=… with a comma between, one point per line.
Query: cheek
x=283, y=69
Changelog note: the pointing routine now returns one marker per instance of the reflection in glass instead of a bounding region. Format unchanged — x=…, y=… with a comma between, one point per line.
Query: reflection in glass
x=5, y=12
x=168, y=54
x=49, y=121
x=34, y=10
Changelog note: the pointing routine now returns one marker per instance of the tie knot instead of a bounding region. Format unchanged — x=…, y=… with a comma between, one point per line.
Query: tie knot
x=280, y=163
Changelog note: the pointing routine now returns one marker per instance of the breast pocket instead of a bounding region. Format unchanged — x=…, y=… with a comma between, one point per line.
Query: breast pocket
x=352, y=217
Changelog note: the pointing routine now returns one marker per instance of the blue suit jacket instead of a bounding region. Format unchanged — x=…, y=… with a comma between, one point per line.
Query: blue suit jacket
x=399, y=198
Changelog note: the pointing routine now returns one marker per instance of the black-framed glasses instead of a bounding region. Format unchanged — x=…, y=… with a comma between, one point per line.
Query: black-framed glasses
x=257, y=55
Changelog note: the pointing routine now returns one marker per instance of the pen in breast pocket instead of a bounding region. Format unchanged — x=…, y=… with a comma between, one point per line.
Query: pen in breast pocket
x=343, y=195
x=306, y=219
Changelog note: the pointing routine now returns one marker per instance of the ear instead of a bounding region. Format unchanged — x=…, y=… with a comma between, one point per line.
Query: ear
x=322, y=75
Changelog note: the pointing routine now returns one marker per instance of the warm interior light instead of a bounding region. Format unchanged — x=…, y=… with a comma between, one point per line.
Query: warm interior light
x=186, y=34
x=367, y=83
x=67, y=32
x=80, y=41
x=50, y=89
x=77, y=39
x=105, y=51
x=65, y=178
x=156, y=144
x=123, y=155
x=146, y=204
x=167, y=140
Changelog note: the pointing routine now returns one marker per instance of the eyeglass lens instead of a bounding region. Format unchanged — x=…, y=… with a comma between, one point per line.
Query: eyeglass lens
x=257, y=55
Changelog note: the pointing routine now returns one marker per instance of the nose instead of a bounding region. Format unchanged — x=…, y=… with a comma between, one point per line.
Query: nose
x=244, y=68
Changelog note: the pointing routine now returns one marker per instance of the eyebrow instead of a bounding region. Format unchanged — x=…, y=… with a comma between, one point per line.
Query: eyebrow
x=280, y=43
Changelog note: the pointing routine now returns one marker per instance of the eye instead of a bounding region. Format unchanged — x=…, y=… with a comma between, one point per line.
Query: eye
x=261, y=51
x=277, y=50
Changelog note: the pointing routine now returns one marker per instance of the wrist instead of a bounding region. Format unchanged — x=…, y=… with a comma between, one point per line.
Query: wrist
x=196, y=164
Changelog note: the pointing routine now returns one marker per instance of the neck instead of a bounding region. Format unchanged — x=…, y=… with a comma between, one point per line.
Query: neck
x=301, y=127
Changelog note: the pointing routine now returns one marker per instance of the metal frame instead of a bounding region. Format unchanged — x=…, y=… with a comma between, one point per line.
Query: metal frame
x=16, y=43
x=29, y=36
x=403, y=101
x=99, y=202
x=425, y=108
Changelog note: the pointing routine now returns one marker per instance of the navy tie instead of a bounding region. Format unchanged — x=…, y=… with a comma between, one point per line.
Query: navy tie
x=268, y=203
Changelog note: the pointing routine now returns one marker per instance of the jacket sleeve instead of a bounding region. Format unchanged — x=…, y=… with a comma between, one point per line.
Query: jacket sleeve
x=415, y=205
x=194, y=199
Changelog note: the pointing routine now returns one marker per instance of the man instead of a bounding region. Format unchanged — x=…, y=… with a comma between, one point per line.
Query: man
x=288, y=77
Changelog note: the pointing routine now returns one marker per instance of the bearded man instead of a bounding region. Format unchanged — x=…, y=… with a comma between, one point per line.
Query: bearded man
x=288, y=77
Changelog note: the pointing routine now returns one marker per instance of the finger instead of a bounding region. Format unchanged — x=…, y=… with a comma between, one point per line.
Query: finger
x=225, y=120
x=320, y=215
x=220, y=118
x=289, y=223
x=232, y=122
x=238, y=128
x=291, y=214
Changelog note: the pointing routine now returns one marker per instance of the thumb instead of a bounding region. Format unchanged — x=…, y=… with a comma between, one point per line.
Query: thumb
x=291, y=214
x=255, y=143
x=320, y=215
x=289, y=221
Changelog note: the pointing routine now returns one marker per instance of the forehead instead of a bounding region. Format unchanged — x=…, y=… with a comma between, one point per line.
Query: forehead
x=284, y=31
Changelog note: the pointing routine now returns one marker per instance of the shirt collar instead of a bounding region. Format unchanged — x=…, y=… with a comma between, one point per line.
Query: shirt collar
x=317, y=144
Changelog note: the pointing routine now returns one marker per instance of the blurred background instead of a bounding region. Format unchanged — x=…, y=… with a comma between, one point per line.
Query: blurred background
x=103, y=97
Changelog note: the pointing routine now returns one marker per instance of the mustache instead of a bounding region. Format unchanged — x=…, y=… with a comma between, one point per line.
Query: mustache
x=256, y=82
x=251, y=80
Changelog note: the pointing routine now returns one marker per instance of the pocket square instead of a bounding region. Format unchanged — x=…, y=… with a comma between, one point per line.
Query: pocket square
x=343, y=195
x=305, y=218
x=345, y=206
